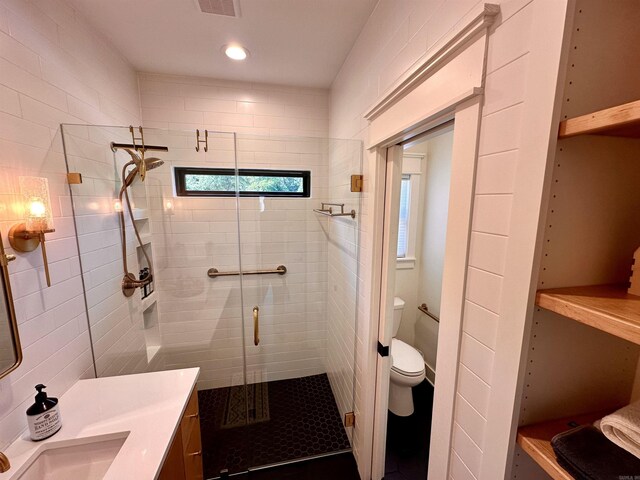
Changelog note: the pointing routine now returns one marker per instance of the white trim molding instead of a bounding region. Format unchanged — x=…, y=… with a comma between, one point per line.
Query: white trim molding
x=448, y=85
x=428, y=64
x=439, y=94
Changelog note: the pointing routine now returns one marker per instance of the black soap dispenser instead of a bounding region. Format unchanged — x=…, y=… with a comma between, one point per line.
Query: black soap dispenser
x=43, y=416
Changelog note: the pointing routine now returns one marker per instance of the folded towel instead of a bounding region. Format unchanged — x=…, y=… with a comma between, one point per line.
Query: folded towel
x=586, y=454
x=622, y=427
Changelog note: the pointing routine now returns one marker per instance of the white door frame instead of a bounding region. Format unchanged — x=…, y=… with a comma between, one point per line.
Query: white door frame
x=463, y=165
x=447, y=85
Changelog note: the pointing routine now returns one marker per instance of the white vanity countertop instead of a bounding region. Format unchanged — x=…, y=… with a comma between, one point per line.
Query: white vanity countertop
x=149, y=406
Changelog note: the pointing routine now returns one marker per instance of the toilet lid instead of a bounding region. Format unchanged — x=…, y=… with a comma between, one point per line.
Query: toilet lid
x=406, y=359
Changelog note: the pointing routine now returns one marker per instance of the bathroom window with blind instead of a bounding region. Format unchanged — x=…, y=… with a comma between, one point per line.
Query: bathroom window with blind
x=222, y=182
x=403, y=226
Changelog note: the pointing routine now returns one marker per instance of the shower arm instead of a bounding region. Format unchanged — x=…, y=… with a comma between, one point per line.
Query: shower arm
x=131, y=281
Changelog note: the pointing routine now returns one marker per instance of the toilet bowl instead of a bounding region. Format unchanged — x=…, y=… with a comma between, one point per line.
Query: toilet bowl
x=407, y=368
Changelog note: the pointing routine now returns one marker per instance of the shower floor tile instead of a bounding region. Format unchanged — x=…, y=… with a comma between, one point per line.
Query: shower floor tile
x=288, y=420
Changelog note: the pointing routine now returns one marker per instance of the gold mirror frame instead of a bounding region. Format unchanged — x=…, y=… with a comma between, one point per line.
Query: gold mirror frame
x=11, y=312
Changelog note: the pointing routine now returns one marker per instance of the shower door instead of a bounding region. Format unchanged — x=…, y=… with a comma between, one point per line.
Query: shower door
x=276, y=351
x=299, y=325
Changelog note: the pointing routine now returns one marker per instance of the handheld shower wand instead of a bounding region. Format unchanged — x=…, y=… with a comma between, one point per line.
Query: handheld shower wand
x=140, y=167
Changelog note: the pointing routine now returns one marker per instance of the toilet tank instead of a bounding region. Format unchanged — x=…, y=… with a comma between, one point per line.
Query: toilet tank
x=398, y=307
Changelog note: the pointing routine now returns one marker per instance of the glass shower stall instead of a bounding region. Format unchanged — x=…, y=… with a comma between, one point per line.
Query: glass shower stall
x=253, y=249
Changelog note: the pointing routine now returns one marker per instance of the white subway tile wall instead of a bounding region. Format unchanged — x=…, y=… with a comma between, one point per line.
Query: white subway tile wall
x=345, y=158
x=54, y=68
x=304, y=314
x=396, y=35
x=201, y=318
x=122, y=343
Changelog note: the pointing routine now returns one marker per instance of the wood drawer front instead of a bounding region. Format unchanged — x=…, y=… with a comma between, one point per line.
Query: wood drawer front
x=191, y=420
x=174, y=467
x=193, y=456
x=184, y=460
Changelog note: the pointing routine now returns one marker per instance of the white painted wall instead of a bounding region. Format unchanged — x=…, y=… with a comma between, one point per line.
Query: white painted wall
x=434, y=224
x=396, y=35
x=422, y=282
x=433, y=238
x=53, y=69
x=407, y=269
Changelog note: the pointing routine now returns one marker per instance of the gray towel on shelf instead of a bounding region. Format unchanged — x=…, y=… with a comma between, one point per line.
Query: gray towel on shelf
x=586, y=454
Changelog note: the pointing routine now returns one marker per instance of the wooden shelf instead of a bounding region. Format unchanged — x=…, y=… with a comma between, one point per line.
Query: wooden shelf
x=618, y=121
x=606, y=307
x=536, y=441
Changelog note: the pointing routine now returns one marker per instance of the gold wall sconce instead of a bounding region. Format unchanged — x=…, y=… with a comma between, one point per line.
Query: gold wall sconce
x=27, y=236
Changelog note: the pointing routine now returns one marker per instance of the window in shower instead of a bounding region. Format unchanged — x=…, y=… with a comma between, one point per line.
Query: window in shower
x=221, y=182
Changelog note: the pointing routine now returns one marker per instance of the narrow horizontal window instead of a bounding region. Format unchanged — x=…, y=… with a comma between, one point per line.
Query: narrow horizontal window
x=223, y=182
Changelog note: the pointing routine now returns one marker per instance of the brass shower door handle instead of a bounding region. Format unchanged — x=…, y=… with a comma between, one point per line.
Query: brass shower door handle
x=256, y=325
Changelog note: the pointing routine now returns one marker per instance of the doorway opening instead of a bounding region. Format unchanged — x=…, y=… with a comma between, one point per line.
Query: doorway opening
x=421, y=206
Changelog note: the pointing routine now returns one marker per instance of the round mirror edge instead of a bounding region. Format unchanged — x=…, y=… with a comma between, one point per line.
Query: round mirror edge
x=13, y=322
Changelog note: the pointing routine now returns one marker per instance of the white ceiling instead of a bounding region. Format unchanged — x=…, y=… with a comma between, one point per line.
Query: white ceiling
x=291, y=42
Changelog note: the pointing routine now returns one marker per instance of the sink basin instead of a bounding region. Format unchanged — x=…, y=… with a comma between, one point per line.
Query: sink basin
x=88, y=460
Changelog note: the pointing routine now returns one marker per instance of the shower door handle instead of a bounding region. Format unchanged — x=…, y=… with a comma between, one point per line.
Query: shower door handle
x=256, y=325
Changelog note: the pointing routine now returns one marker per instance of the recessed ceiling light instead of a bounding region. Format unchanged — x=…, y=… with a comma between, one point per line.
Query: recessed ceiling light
x=236, y=52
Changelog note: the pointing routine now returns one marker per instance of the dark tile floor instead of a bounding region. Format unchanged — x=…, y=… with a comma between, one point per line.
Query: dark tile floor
x=408, y=438
x=287, y=420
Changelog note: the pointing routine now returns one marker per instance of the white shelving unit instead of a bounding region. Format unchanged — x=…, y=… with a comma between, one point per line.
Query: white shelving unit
x=584, y=341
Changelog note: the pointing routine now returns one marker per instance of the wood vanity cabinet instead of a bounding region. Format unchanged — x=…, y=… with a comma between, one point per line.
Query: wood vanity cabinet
x=184, y=460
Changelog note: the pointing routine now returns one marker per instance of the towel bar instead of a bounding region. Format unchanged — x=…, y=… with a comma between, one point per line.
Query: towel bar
x=329, y=211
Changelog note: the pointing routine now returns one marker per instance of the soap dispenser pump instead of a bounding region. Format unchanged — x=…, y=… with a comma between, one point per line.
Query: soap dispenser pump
x=43, y=416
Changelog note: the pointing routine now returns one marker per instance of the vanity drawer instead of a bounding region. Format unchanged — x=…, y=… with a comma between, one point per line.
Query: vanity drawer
x=184, y=461
x=193, y=456
x=191, y=419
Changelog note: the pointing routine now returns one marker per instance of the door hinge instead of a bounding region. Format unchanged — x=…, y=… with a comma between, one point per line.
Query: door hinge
x=382, y=350
x=349, y=419
x=356, y=183
x=74, y=178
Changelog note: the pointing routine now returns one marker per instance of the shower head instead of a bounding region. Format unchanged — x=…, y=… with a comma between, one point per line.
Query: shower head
x=141, y=167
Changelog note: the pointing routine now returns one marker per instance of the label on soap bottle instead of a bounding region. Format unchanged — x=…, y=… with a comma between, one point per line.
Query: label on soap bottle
x=44, y=424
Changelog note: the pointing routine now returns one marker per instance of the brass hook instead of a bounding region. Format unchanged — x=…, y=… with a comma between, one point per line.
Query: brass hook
x=205, y=141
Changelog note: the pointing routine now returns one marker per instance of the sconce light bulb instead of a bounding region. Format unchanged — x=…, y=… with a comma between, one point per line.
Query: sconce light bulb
x=117, y=206
x=169, y=205
x=37, y=208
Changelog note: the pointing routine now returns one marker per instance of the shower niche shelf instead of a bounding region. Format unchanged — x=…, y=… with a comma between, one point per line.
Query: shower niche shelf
x=140, y=214
x=149, y=302
x=151, y=327
x=146, y=239
x=146, y=247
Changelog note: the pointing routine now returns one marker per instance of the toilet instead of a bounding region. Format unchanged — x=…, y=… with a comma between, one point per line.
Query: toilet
x=407, y=369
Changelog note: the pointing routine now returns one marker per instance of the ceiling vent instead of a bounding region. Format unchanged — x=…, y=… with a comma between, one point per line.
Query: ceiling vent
x=227, y=8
